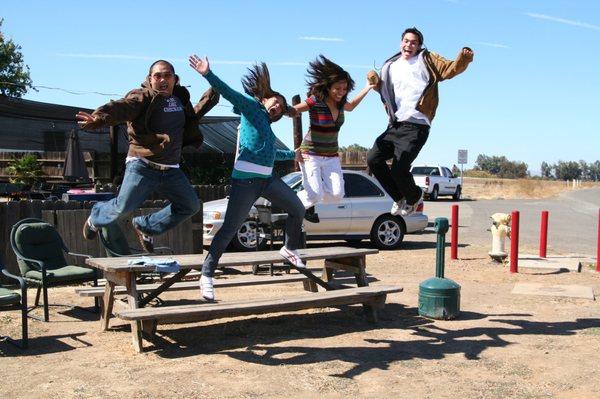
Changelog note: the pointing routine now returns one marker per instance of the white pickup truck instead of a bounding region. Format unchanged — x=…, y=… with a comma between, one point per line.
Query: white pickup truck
x=437, y=180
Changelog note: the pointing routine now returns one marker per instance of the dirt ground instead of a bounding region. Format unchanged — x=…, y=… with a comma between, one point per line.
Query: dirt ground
x=501, y=346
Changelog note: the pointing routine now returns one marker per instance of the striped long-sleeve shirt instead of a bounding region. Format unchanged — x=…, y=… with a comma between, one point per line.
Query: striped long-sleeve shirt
x=322, y=136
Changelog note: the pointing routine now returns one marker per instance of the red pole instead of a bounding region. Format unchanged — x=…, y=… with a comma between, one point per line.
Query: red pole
x=454, y=233
x=544, y=234
x=514, y=242
x=598, y=246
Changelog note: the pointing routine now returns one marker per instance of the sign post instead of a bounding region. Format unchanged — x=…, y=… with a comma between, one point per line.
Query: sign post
x=463, y=156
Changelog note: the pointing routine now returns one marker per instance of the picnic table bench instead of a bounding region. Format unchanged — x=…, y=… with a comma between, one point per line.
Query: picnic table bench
x=145, y=320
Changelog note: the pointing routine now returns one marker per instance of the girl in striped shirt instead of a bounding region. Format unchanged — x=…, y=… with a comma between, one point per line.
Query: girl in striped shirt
x=328, y=88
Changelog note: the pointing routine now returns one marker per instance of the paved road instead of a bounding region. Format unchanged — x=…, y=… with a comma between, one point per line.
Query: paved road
x=572, y=224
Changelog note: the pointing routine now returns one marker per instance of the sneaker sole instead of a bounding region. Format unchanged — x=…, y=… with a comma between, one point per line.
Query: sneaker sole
x=145, y=245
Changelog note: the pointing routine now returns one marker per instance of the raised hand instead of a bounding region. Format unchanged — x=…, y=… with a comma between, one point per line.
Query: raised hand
x=466, y=51
x=201, y=66
x=85, y=120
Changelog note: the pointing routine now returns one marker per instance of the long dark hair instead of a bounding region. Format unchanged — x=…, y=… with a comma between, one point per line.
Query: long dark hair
x=257, y=83
x=322, y=74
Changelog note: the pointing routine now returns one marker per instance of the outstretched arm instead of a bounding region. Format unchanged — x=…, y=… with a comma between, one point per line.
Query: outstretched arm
x=350, y=105
x=202, y=66
x=113, y=113
x=449, y=69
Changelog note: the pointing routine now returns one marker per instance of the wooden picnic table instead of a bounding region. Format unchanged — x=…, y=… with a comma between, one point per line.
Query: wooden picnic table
x=118, y=273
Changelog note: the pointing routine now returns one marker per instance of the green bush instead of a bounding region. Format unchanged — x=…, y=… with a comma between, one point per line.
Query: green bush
x=25, y=170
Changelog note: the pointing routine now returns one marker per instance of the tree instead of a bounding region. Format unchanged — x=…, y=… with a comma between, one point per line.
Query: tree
x=500, y=166
x=567, y=170
x=546, y=170
x=14, y=74
x=354, y=148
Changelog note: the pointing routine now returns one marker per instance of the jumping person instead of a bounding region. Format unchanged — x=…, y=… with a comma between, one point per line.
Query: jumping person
x=328, y=88
x=252, y=175
x=160, y=122
x=409, y=91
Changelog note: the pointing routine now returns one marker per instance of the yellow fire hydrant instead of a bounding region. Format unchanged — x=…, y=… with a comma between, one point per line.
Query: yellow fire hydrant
x=500, y=230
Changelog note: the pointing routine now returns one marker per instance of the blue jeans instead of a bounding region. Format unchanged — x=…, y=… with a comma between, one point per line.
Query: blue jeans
x=244, y=192
x=138, y=183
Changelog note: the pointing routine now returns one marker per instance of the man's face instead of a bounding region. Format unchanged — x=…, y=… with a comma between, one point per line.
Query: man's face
x=162, y=79
x=410, y=45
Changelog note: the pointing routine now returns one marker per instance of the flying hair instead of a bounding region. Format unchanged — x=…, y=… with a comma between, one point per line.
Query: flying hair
x=322, y=73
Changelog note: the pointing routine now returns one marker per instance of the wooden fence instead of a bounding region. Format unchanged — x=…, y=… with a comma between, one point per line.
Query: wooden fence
x=68, y=217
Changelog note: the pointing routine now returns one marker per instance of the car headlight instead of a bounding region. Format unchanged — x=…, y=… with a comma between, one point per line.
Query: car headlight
x=215, y=215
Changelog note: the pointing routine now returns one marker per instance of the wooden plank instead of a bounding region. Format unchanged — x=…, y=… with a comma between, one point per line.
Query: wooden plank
x=232, y=259
x=210, y=311
x=188, y=285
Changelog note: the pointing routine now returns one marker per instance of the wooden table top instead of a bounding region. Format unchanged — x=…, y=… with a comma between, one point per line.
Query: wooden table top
x=194, y=261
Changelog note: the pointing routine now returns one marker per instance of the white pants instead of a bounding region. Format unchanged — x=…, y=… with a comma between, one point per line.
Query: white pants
x=322, y=179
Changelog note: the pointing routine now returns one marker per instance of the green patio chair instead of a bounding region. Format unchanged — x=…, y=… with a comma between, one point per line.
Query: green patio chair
x=10, y=300
x=40, y=255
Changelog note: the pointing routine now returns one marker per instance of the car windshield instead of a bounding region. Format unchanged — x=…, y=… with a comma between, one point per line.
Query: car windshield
x=424, y=170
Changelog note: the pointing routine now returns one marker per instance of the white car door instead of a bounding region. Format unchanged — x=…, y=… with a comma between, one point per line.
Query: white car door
x=368, y=202
x=449, y=184
x=334, y=218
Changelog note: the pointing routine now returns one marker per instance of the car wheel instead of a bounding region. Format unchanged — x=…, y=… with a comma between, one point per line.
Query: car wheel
x=434, y=193
x=457, y=193
x=387, y=232
x=245, y=237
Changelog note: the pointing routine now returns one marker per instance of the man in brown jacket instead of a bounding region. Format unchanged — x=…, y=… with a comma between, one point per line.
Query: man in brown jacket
x=408, y=89
x=160, y=122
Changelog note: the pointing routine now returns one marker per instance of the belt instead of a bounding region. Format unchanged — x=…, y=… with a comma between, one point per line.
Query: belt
x=155, y=166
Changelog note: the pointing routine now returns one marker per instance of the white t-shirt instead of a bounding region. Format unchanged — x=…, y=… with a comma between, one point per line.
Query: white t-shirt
x=409, y=78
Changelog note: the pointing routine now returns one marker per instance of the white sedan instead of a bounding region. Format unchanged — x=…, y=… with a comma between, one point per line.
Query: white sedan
x=364, y=213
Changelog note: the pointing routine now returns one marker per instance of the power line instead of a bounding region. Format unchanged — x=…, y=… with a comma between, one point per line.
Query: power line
x=81, y=93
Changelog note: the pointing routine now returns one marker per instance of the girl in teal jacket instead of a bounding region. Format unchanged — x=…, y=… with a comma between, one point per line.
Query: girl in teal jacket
x=252, y=171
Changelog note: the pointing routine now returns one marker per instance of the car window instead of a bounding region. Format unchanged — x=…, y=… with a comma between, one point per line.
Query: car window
x=292, y=178
x=360, y=186
x=424, y=170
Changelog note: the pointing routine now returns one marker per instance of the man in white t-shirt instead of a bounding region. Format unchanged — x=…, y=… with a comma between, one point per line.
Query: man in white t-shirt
x=408, y=89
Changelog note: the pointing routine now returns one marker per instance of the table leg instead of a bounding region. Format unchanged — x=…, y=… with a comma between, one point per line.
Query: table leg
x=108, y=301
x=132, y=302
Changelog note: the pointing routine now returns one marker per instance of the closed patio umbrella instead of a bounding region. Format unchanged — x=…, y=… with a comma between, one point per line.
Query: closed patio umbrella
x=74, y=167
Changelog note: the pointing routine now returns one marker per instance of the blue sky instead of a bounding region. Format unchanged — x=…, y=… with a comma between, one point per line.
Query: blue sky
x=531, y=93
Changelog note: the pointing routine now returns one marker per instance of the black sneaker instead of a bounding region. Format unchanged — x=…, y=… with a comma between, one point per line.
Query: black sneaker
x=146, y=241
x=311, y=216
x=89, y=230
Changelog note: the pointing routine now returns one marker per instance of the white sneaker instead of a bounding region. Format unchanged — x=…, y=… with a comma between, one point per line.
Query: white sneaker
x=397, y=207
x=292, y=257
x=206, y=288
x=407, y=209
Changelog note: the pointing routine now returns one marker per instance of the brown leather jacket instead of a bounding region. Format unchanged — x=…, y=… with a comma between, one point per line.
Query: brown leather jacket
x=136, y=109
x=439, y=69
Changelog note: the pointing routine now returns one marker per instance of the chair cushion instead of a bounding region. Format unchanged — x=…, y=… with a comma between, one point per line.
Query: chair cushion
x=63, y=274
x=8, y=297
x=39, y=241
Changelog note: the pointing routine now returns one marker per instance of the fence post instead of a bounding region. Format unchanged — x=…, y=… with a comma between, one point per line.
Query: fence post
x=598, y=245
x=454, y=234
x=544, y=234
x=514, y=242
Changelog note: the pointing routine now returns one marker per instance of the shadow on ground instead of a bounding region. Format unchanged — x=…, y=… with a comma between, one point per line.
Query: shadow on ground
x=262, y=340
